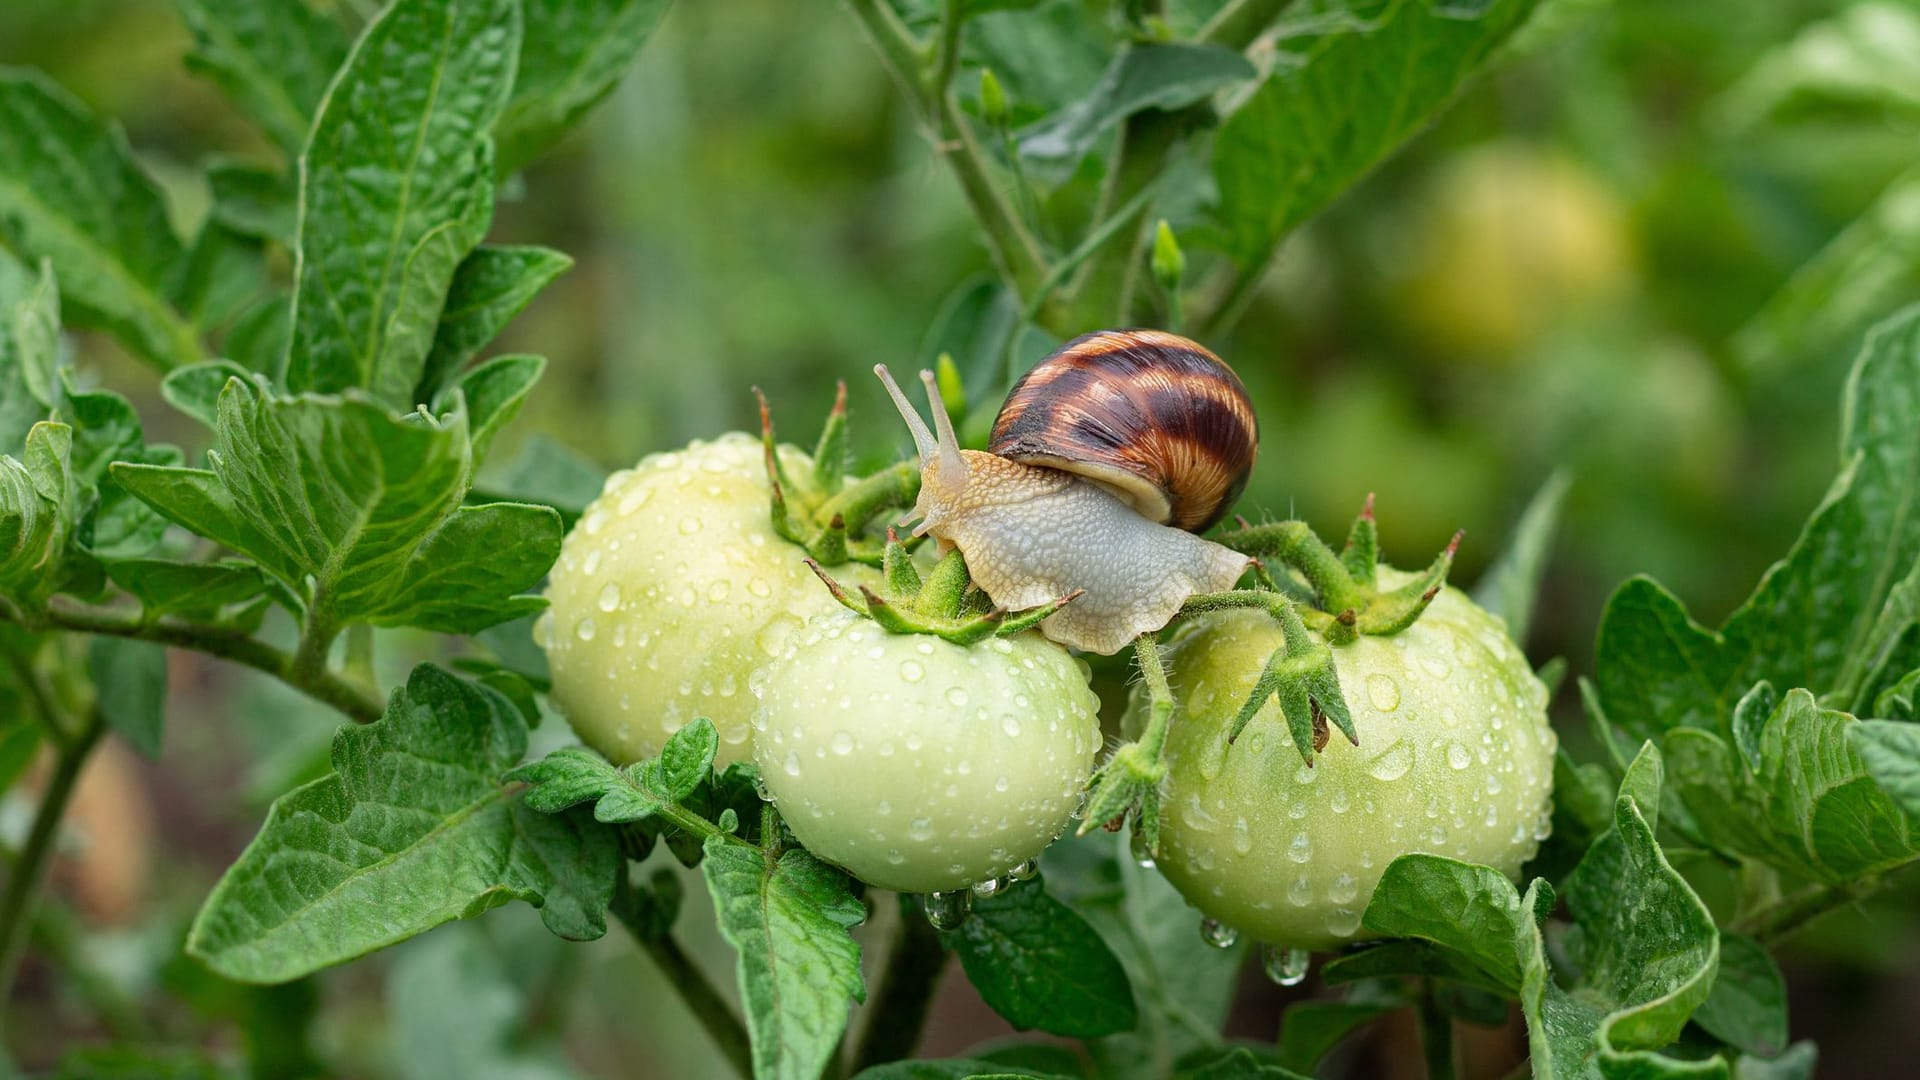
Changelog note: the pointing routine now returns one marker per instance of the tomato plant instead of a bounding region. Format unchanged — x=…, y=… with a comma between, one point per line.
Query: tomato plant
x=344, y=695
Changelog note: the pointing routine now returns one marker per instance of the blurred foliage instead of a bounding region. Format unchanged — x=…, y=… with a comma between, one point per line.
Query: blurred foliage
x=1601, y=259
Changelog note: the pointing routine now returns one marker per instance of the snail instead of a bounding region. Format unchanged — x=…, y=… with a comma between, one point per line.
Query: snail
x=1105, y=461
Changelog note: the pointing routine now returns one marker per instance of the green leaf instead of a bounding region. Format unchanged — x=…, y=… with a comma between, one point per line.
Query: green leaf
x=686, y=761
x=29, y=349
x=36, y=513
x=253, y=201
x=1796, y=1064
x=1901, y=701
x=1040, y=965
x=195, y=389
x=414, y=828
x=131, y=679
x=949, y=1069
x=494, y=393
x=385, y=221
x=1748, y=1006
x=490, y=287
x=166, y=587
x=1170, y=76
x=1306, y=134
x=1469, y=911
x=71, y=192
x=380, y=534
x=258, y=339
x=1310, y=1029
x=548, y=473
x=574, y=774
x=105, y=430
x=1511, y=586
x=574, y=55
x=1820, y=793
x=1232, y=1063
x=1890, y=750
x=272, y=58
x=788, y=919
x=1824, y=617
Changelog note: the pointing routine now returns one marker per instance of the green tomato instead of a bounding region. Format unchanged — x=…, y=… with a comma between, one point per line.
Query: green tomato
x=919, y=765
x=670, y=592
x=1455, y=759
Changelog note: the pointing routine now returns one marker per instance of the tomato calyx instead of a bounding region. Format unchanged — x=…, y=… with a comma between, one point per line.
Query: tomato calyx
x=822, y=512
x=1343, y=588
x=946, y=604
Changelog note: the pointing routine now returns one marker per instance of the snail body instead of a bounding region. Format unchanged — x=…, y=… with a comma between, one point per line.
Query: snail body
x=1097, y=449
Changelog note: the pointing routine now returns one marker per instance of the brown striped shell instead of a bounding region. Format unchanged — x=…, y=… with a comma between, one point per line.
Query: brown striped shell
x=1154, y=417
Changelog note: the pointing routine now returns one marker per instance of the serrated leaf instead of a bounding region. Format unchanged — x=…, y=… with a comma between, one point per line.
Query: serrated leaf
x=396, y=188
x=1040, y=965
x=255, y=201
x=1310, y=1029
x=687, y=759
x=379, y=534
x=120, y=525
x=1511, y=586
x=1232, y=1063
x=1890, y=750
x=1901, y=701
x=36, y=513
x=1469, y=911
x=1748, y=1006
x=272, y=58
x=105, y=430
x=574, y=775
x=166, y=587
x=29, y=349
x=131, y=680
x=490, y=287
x=574, y=55
x=799, y=969
x=414, y=828
x=1305, y=135
x=1164, y=76
x=71, y=192
x=1819, y=617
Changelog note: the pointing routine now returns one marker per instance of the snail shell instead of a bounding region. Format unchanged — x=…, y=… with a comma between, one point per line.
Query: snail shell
x=1153, y=417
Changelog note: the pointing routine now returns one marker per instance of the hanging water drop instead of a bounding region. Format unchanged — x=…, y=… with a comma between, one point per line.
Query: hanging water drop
x=1286, y=967
x=948, y=910
x=990, y=888
x=1026, y=871
x=1218, y=934
x=1143, y=855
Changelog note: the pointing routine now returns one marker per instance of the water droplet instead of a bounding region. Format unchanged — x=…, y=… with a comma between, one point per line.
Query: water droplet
x=760, y=788
x=610, y=597
x=921, y=828
x=988, y=889
x=1010, y=725
x=718, y=591
x=689, y=525
x=1383, y=692
x=1300, y=893
x=911, y=671
x=1025, y=871
x=1391, y=763
x=1242, y=838
x=592, y=565
x=1459, y=756
x=793, y=763
x=1342, y=922
x=948, y=910
x=842, y=743
x=1342, y=889
x=758, y=586
x=956, y=697
x=1218, y=934
x=1137, y=844
x=584, y=629
x=1301, y=849
x=1285, y=967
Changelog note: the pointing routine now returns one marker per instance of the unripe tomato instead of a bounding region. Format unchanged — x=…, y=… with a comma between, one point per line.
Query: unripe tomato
x=1455, y=759
x=919, y=765
x=670, y=592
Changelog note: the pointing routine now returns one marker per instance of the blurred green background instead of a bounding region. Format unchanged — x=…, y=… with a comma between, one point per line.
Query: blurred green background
x=1645, y=249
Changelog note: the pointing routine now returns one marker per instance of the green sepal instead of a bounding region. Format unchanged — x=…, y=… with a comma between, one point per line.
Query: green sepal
x=1361, y=555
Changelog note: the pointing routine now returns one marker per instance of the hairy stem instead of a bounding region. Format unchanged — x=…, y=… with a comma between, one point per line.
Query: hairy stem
x=904, y=992
x=30, y=869
x=1436, y=1035
x=1146, y=649
x=359, y=702
x=701, y=997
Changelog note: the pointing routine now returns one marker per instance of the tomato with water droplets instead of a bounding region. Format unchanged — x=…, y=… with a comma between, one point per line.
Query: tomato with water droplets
x=919, y=765
x=1455, y=758
x=670, y=592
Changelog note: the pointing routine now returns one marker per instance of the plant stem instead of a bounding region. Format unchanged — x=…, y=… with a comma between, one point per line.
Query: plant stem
x=1015, y=251
x=358, y=702
x=702, y=998
x=1241, y=21
x=898, y=1012
x=30, y=870
x=1790, y=914
x=1146, y=649
x=1436, y=1035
